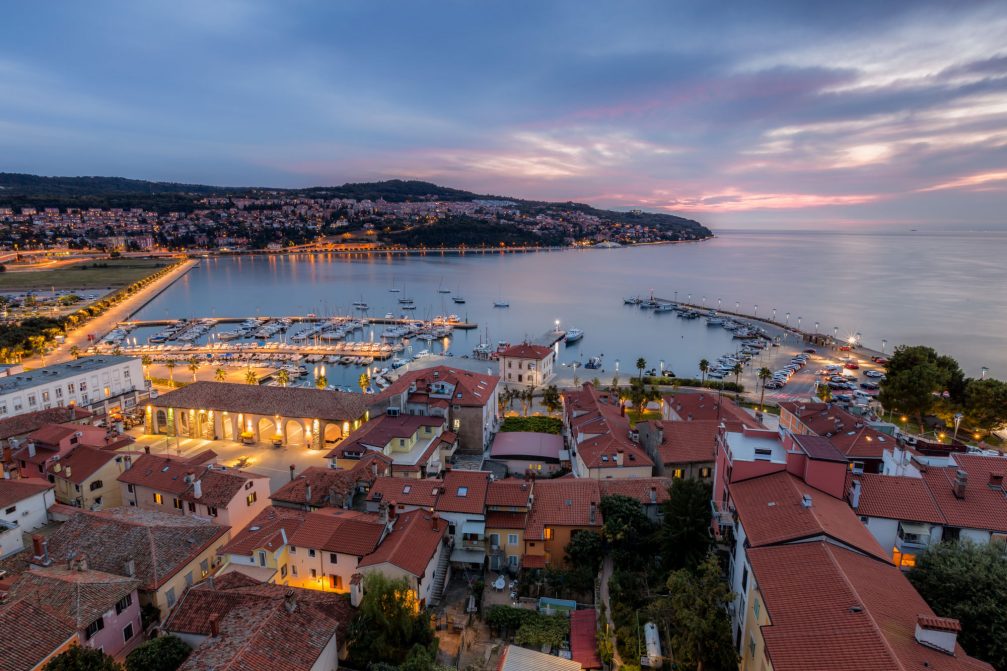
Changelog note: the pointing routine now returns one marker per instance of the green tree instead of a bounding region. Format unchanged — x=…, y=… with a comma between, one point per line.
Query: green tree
x=551, y=399
x=911, y=391
x=193, y=366
x=704, y=368
x=685, y=530
x=737, y=370
x=364, y=381
x=82, y=658
x=626, y=524
x=146, y=360
x=764, y=376
x=695, y=612
x=388, y=623
x=986, y=404
x=220, y=375
x=641, y=363
x=283, y=377
x=251, y=377
x=968, y=582
x=164, y=653
x=585, y=549
x=824, y=392
x=170, y=365
x=906, y=358
x=75, y=351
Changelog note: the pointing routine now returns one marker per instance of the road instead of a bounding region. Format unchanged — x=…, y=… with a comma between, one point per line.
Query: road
x=104, y=323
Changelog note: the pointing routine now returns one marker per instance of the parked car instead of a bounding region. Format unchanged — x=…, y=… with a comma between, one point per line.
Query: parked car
x=851, y=365
x=811, y=350
x=874, y=373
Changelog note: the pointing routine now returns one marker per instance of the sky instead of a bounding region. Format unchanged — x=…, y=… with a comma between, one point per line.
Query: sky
x=789, y=114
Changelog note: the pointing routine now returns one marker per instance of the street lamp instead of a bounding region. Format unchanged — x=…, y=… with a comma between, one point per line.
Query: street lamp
x=816, y=327
x=718, y=303
x=788, y=319
x=798, y=323
x=982, y=374
x=884, y=344
x=958, y=421
x=774, y=314
x=704, y=302
x=737, y=306
x=756, y=311
x=662, y=367
x=835, y=332
x=557, y=326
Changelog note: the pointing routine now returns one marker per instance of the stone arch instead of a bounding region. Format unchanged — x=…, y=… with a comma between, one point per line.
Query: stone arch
x=332, y=432
x=294, y=430
x=183, y=421
x=227, y=427
x=267, y=428
x=162, y=422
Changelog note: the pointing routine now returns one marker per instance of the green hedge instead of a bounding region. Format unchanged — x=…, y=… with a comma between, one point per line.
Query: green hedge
x=535, y=424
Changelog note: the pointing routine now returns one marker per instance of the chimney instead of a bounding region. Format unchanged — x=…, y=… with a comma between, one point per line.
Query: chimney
x=653, y=494
x=940, y=633
x=594, y=512
x=307, y=492
x=855, y=495
x=292, y=472
x=68, y=471
x=996, y=480
x=435, y=522
x=383, y=511
x=197, y=489
x=31, y=448
x=688, y=417
x=392, y=510
x=130, y=568
x=189, y=477
x=806, y=500
x=40, y=544
x=36, y=543
x=290, y=601
x=374, y=467
x=128, y=461
x=618, y=457
x=214, y=626
x=82, y=562
x=961, y=481
x=146, y=449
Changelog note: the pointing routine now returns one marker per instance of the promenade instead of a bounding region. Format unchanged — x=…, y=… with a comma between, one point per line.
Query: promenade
x=107, y=321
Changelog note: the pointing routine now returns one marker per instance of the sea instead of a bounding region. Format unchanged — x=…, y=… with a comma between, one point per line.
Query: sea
x=947, y=290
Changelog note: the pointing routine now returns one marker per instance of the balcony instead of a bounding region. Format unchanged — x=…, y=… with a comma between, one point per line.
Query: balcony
x=470, y=542
x=912, y=537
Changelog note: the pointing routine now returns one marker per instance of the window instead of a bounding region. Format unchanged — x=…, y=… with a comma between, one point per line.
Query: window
x=108, y=392
x=457, y=424
x=125, y=373
x=293, y=549
x=250, y=499
x=169, y=596
x=548, y=534
x=311, y=552
x=192, y=506
x=512, y=561
x=336, y=581
x=511, y=539
x=293, y=569
x=333, y=558
x=751, y=644
x=407, y=489
x=127, y=632
x=72, y=388
x=283, y=571
x=262, y=558
x=188, y=579
x=45, y=397
x=10, y=510
x=314, y=573
x=158, y=499
x=177, y=503
x=704, y=472
x=94, y=628
x=129, y=488
x=463, y=491
x=495, y=540
x=97, y=484
x=31, y=400
x=679, y=473
x=59, y=392
x=204, y=568
x=211, y=511
x=756, y=608
x=83, y=385
x=744, y=579
x=402, y=442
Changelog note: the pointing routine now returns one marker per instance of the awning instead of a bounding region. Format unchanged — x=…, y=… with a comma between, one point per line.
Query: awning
x=462, y=556
x=260, y=573
x=915, y=529
x=474, y=527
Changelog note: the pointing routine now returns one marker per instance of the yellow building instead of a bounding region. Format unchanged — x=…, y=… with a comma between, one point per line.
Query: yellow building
x=261, y=550
x=87, y=477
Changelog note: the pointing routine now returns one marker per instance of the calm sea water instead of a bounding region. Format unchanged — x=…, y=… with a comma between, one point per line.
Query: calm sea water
x=944, y=290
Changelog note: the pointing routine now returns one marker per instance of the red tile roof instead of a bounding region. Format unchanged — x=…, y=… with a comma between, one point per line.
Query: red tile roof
x=526, y=351
x=690, y=442
x=51, y=434
x=563, y=503
x=601, y=430
x=381, y=430
x=819, y=448
x=22, y=425
x=13, y=491
x=343, y=531
x=469, y=389
x=464, y=492
x=266, y=531
x=509, y=493
x=407, y=491
x=704, y=407
x=533, y=561
x=897, y=498
x=267, y=401
x=329, y=486
x=412, y=543
x=76, y=597
x=218, y=484
x=257, y=630
x=771, y=510
x=501, y=520
x=822, y=419
x=982, y=507
x=83, y=462
x=583, y=639
x=862, y=443
x=39, y=634
x=842, y=610
x=640, y=489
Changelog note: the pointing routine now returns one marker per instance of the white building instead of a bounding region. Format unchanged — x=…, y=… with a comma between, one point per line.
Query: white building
x=527, y=364
x=23, y=507
x=102, y=384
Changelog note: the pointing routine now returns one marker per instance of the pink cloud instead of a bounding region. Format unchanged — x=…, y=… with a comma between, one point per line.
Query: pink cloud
x=982, y=179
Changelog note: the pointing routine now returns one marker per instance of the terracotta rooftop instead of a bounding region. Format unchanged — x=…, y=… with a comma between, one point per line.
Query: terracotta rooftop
x=411, y=544
x=583, y=639
x=818, y=448
x=644, y=490
x=501, y=520
x=983, y=507
x=597, y=421
x=862, y=443
x=343, y=531
x=259, y=629
x=702, y=406
x=13, y=491
x=564, y=502
x=843, y=610
x=39, y=634
x=897, y=498
x=161, y=544
x=84, y=461
x=526, y=351
x=509, y=493
x=266, y=401
x=330, y=486
x=164, y=473
x=468, y=388
x=690, y=442
x=383, y=429
x=22, y=425
x=269, y=531
x=822, y=419
x=77, y=597
x=772, y=511
x=464, y=492
x=406, y=491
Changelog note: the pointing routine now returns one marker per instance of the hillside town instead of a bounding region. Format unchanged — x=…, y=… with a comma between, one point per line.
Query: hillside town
x=239, y=526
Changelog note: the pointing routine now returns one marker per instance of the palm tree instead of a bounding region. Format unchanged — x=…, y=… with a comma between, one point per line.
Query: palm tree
x=321, y=382
x=170, y=365
x=193, y=366
x=75, y=352
x=641, y=363
x=251, y=377
x=283, y=377
x=220, y=375
x=764, y=375
x=146, y=361
x=364, y=381
x=704, y=366
x=737, y=370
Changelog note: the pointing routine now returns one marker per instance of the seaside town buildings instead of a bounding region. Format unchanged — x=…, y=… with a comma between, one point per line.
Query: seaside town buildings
x=528, y=365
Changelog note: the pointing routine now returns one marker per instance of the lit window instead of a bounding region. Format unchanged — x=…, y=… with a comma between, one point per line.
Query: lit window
x=250, y=499
x=158, y=499
x=679, y=473
x=177, y=503
x=548, y=534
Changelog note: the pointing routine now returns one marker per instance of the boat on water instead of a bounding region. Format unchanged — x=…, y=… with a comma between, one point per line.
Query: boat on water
x=665, y=307
x=632, y=301
x=458, y=299
x=406, y=301
x=501, y=304
x=409, y=306
x=593, y=363
x=573, y=335
x=441, y=289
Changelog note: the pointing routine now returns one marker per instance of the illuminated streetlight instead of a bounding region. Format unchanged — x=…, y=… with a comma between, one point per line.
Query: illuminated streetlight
x=718, y=303
x=662, y=367
x=774, y=314
x=884, y=344
x=835, y=332
x=737, y=306
x=816, y=327
x=982, y=375
x=798, y=323
x=756, y=311
x=958, y=421
x=788, y=319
